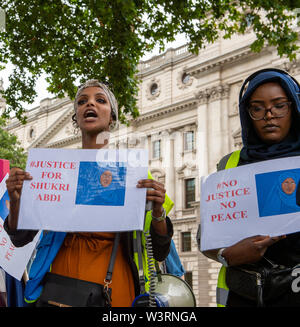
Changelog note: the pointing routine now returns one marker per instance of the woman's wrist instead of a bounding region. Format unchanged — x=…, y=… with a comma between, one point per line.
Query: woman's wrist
x=12, y=219
x=222, y=257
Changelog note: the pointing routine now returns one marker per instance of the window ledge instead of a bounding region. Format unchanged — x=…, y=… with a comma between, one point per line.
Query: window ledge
x=189, y=151
x=188, y=211
x=156, y=159
x=194, y=204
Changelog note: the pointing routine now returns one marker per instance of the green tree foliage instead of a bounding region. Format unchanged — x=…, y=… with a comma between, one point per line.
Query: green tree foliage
x=72, y=40
x=10, y=148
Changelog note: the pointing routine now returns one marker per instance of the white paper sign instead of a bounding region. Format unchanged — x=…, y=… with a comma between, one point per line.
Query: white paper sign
x=84, y=190
x=12, y=259
x=256, y=199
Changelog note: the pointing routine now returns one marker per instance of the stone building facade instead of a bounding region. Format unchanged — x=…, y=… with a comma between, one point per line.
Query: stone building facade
x=188, y=120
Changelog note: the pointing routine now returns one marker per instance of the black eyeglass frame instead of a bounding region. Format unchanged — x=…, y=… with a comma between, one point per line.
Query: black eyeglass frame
x=289, y=103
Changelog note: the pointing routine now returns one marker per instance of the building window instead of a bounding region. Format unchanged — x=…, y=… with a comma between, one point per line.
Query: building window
x=189, y=141
x=154, y=89
x=186, y=242
x=156, y=149
x=31, y=134
x=189, y=192
x=188, y=277
x=185, y=78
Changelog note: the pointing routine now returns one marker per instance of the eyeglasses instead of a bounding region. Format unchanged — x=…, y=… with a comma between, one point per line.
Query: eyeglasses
x=279, y=110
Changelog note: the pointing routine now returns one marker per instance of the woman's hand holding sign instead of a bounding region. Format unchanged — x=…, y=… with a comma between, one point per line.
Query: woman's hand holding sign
x=14, y=184
x=155, y=193
x=249, y=250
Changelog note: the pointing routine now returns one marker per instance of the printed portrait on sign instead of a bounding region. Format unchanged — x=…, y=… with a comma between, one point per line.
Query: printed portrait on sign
x=101, y=184
x=106, y=178
x=277, y=192
x=4, y=206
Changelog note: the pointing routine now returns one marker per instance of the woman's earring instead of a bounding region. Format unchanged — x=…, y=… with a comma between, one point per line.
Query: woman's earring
x=75, y=124
x=76, y=130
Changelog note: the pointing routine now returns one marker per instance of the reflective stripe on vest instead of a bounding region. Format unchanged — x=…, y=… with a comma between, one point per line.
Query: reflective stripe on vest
x=222, y=289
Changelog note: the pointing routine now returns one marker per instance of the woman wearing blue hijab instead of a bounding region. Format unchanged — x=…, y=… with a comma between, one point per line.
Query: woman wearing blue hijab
x=269, y=110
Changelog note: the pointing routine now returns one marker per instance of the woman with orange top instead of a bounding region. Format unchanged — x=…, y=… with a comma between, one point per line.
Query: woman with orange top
x=85, y=256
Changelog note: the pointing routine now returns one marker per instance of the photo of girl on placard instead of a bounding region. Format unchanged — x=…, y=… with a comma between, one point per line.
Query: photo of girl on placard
x=101, y=184
x=277, y=192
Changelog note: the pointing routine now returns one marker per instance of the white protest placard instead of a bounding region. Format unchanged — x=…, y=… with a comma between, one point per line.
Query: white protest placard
x=84, y=190
x=12, y=259
x=255, y=199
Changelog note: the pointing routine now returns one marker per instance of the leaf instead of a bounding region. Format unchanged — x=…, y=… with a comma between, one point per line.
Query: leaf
x=75, y=40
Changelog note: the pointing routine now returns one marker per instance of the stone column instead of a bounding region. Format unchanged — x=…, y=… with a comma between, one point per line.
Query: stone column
x=225, y=118
x=217, y=124
x=169, y=165
x=202, y=275
x=202, y=133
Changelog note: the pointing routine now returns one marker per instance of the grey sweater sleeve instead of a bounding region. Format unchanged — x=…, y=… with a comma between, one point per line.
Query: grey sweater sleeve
x=19, y=237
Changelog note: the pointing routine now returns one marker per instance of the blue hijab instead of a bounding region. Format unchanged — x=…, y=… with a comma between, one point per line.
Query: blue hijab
x=279, y=202
x=254, y=149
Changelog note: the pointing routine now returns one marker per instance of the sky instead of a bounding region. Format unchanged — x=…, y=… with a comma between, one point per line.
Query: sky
x=42, y=84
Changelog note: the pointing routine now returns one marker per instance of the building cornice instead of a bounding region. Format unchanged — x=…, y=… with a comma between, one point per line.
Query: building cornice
x=168, y=110
x=56, y=126
x=222, y=60
x=35, y=113
x=64, y=142
x=163, y=61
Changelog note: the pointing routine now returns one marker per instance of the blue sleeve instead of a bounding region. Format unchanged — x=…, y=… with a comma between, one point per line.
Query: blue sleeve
x=173, y=263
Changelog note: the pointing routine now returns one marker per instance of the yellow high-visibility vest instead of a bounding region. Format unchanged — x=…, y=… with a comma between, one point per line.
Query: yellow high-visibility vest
x=222, y=289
